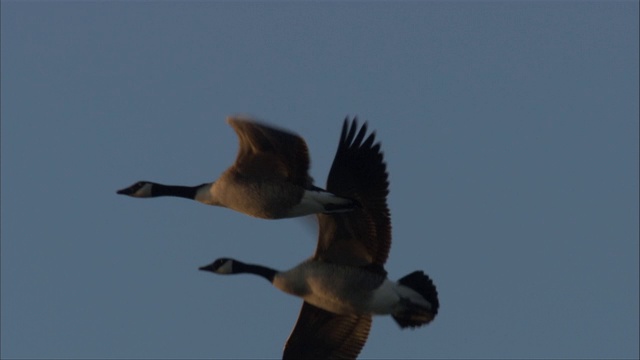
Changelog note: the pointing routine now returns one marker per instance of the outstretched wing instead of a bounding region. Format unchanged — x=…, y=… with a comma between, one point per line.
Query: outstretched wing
x=363, y=236
x=320, y=334
x=265, y=151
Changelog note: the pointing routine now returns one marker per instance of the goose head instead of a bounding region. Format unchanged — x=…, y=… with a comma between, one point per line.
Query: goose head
x=141, y=189
x=224, y=266
x=227, y=266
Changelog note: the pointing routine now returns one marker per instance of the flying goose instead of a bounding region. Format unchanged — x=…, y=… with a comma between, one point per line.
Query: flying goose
x=268, y=180
x=344, y=283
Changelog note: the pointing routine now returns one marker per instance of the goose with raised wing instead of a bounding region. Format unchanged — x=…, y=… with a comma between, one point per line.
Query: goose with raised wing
x=344, y=283
x=269, y=179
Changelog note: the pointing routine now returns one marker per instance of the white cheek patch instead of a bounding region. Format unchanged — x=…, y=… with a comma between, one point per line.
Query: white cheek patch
x=144, y=191
x=225, y=269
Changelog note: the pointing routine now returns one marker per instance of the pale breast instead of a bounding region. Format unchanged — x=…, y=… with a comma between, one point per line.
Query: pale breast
x=261, y=198
x=336, y=288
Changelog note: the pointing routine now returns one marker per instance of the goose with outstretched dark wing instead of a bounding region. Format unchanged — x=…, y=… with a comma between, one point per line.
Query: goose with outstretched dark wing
x=269, y=179
x=344, y=283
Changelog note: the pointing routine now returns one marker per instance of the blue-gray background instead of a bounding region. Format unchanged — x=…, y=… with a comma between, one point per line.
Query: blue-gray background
x=510, y=131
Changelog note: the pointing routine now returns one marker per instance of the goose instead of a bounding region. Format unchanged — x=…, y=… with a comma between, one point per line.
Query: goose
x=268, y=180
x=344, y=283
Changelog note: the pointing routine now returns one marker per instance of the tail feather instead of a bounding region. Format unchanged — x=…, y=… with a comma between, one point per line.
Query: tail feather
x=413, y=314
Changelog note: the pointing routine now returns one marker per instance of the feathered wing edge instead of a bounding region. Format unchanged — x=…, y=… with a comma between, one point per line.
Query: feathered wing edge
x=363, y=236
x=320, y=334
x=264, y=150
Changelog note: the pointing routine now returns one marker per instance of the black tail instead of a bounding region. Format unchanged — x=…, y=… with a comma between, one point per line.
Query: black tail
x=414, y=315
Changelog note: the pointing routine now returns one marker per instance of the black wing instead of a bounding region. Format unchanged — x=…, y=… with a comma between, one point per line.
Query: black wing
x=363, y=236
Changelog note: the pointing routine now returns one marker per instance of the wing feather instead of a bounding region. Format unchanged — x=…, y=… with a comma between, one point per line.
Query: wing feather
x=265, y=151
x=319, y=334
x=363, y=236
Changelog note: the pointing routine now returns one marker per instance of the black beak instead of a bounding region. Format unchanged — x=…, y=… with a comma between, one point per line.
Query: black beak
x=126, y=191
x=207, y=268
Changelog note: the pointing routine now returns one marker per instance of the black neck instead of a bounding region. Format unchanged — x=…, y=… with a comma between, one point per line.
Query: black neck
x=263, y=271
x=188, y=192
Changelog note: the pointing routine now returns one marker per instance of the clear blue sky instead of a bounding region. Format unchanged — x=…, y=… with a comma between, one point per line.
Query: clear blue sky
x=510, y=131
